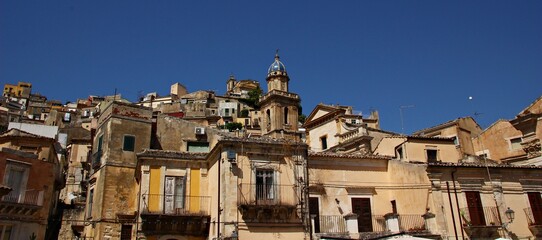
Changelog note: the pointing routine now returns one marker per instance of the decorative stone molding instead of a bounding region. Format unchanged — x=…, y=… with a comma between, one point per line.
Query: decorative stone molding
x=532, y=148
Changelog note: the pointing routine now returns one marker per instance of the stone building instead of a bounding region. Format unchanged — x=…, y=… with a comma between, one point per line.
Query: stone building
x=74, y=195
x=500, y=142
x=529, y=122
x=279, y=106
x=174, y=199
x=122, y=131
x=29, y=166
x=337, y=128
x=462, y=130
x=21, y=90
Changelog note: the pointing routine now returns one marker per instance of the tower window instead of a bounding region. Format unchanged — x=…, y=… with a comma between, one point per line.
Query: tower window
x=285, y=115
x=129, y=143
x=268, y=116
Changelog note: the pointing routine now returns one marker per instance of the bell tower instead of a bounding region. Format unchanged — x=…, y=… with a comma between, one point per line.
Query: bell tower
x=279, y=107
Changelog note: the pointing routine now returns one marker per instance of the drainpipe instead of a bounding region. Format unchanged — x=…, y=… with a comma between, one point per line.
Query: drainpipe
x=452, y=209
x=218, y=199
x=138, y=206
x=457, y=203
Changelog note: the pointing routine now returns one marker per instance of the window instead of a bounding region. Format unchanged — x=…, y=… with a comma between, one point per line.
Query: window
x=535, y=202
x=16, y=177
x=456, y=140
x=431, y=155
x=475, y=208
x=314, y=210
x=323, y=140
x=129, y=143
x=285, y=115
x=90, y=201
x=198, y=147
x=5, y=231
x=265, y=184
x=515, y=143
x=174, y=195
x=126, y=232
x=226, y=112
x=362, y=207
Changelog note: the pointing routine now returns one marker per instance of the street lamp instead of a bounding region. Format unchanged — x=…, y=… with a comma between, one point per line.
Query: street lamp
x=510, y=214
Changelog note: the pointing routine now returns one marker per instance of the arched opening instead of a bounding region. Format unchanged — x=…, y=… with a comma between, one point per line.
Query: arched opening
x=268, y=113
x=286, y=115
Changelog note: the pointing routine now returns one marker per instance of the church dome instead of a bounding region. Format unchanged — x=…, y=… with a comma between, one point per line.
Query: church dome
x=277, y=65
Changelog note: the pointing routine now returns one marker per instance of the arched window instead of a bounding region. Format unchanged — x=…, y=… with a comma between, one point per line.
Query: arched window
x=286, y=115
x=268, y=116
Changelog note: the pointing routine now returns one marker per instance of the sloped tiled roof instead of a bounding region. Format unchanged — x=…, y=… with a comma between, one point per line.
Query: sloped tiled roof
x=14, y=132
x=440, y=126
x=172, y=154
x=348, y=155
x=420, y=137
x=530, y=105
x=481, y=165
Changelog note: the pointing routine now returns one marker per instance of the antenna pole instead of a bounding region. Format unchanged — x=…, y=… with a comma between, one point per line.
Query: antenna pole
x=401, y=113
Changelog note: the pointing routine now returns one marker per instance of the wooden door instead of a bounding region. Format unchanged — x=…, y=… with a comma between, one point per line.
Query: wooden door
x=362, y=207
x=536, y=206
x=476, y=211
x=314, y=209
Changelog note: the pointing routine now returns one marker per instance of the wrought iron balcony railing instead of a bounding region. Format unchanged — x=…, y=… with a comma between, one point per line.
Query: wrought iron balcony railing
x=30, y=197
x=534, y=216
x=337, y=224
x=411, y=222
x=485, y=216
x=97, y=159
x=181, y=205
x=267, y=195
x=330, y=224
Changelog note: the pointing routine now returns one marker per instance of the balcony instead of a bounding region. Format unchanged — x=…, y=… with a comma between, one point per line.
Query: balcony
x=96, y=159
x=269, y=203
x=176, y=205
x=481, y=222
x=534, y=219
x=334, y=226
x=359, y=132
x=411, y=223
x=330, y=224
x=169, y=214
x=25, y=204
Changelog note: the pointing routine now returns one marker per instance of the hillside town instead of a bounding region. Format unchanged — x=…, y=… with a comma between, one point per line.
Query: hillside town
x=195, y=165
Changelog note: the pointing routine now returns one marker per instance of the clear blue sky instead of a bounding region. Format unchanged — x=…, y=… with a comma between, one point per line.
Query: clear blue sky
x=368, y=54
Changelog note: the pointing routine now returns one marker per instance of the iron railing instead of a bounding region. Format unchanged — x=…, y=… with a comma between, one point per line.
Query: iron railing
x=378, y=223
x=534, y=216
x=97, y=159
x=411, y=222
x=267, y=194
x=330, y=224
x=485, y=216
x=29, y=197
x=176, y=204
